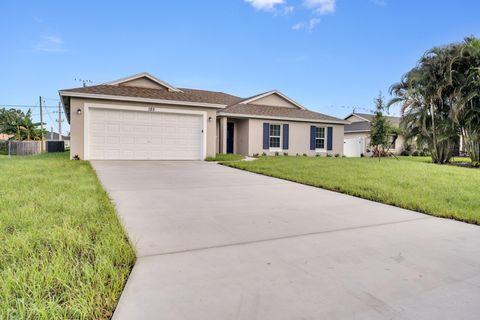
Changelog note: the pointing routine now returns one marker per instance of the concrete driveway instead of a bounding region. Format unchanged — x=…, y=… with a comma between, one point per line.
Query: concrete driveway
x=219, y=243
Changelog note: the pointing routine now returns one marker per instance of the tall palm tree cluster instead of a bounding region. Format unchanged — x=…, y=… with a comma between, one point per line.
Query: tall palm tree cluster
x=19, y=124
x=440, y=100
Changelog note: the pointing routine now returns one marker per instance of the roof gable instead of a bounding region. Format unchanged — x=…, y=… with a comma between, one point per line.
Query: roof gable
x=273, y=98
x=144, y=80
x=355, y=117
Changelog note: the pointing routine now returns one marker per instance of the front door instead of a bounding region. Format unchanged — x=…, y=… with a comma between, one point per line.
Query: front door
x=230, y=130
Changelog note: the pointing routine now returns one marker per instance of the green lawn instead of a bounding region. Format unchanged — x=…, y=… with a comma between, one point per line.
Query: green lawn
x=429, y=159
x=225, y=157
x=444, y=191
x=63, y=253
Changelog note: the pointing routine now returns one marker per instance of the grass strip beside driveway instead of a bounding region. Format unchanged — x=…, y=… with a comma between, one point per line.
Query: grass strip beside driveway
x=63, y=253
x=439, y=190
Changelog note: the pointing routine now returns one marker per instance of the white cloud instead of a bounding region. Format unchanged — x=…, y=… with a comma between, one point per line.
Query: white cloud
x=50, y=43
x=310, y=25
x=298, y=26
x=321, y=7
x=284, y=10
x=266, y=5
x=313, y=23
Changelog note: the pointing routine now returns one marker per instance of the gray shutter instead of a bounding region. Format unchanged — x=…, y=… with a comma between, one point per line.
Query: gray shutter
x=285, y=137
x=266, y=136
x=313, y=132
x=330, y=138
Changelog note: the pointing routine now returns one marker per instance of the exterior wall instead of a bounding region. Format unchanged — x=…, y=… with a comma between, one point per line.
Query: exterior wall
x=365, y=135
x=274, y=100
x=241, y=136
x=77, y=124
x=143, y=82
x=299, y=137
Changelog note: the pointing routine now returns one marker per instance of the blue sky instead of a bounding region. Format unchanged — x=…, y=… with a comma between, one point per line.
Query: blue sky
x=329, y=55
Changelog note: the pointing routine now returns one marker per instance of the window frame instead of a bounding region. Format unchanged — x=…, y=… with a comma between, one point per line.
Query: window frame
x=324, y=139
x=279, y=148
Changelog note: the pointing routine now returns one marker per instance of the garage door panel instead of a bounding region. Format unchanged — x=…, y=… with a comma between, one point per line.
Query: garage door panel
x=130, y=135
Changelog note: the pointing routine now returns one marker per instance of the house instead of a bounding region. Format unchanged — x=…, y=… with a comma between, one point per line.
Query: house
x=5, y=136
x=357, y=135
x=142, y=117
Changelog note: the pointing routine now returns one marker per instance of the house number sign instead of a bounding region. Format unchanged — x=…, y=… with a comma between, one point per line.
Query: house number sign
x=151, y=109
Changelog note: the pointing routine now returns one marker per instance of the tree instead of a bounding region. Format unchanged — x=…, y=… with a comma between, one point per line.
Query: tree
x=464, y=75
x=19, y=124
x=426, y=95
x=380, y=129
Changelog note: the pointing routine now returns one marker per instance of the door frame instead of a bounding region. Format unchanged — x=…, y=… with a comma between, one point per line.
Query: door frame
x=231, y=125
x=145, y=108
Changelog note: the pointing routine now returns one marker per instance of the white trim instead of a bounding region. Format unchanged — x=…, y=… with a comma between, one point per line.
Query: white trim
x=269, y=93
x=356, y=131
x=279, y=148
x=87, y=106
x=137, y=99
x=144, y=75
x=235, y=115
x=356, y=115
x=325, y=139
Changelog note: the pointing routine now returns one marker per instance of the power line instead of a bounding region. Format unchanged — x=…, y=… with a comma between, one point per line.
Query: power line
x=25, y=106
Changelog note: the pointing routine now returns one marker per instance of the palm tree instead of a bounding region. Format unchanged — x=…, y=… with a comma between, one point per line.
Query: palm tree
x=464, y=75
x=425, y=94
x=19, y=124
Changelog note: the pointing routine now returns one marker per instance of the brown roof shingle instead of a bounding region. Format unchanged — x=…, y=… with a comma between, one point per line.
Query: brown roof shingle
x=273, y=111
x=190, y=95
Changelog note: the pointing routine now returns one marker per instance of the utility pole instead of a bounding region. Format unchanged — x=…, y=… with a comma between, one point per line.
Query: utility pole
x=59, y=121
x=41, y=122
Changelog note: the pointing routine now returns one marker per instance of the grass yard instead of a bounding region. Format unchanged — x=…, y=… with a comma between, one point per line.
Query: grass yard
x=225, y=157
x=443, y=191
x=429, y=159
x=63, y=253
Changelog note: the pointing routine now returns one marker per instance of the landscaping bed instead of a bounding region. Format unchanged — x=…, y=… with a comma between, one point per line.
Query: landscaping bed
x=64, y=254
x=439, y=190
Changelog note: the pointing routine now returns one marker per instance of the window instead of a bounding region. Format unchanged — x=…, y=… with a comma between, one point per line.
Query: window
x=320, y=138
x=275, y=136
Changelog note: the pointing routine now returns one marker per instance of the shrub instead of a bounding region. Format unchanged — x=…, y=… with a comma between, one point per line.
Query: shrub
x=304, y=154
x=263, y=154
x=329, y=155
x=277, y=154
x=337, y=155
x=256, y=155
x=285, y=154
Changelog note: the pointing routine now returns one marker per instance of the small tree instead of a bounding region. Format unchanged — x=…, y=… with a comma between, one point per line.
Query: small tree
x=19, y=124
x=380, y=129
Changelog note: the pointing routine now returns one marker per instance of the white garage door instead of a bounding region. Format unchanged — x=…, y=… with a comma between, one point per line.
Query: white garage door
x=134, y=135
x=353, y=147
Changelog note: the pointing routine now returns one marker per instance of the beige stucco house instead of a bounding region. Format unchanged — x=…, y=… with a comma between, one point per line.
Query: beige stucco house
x=141, y=118
x=357, y=135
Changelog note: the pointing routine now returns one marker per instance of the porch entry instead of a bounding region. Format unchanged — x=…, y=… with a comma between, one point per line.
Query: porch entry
x=230, y=137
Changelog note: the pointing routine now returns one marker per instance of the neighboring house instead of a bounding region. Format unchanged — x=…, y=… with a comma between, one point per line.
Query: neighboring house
x=142, y=117
x=357, y=135
x=54, y=136
x=4, y=136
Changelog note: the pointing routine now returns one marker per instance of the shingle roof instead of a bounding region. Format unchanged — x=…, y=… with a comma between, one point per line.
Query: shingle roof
x=358, y=126
x=190, y=95
x=393, y=120
x=273, y=111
